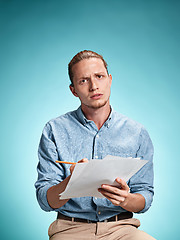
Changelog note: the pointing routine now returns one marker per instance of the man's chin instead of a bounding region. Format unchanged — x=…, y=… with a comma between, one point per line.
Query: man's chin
x=98, y=105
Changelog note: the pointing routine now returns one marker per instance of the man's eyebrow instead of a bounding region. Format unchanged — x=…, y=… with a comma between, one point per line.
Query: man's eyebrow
x=98, y=73
x=83, y=77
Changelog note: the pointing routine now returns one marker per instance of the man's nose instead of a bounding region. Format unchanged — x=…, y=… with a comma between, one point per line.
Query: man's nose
x=93, y=85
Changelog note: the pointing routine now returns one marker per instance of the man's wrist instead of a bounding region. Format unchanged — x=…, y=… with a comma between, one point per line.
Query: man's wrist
x=134, y=202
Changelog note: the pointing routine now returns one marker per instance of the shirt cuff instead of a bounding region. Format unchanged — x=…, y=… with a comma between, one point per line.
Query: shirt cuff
x=42, y=198
x=148, y=196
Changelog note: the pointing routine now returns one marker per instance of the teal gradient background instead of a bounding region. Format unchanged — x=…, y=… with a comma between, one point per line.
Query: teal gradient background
x=140, y=42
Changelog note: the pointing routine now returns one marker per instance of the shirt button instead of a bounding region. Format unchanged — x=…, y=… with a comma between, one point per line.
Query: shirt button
x=99, y=212
x=96, y=157
x=97, y=136
x=95, y=198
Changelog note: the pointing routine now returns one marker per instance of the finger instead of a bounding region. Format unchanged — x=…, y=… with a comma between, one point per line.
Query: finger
x=111, y=195
x=72, y=168
x=83, y=160
x=73, y=165
x=112, y=189
x=123, y=184
x=116, y=200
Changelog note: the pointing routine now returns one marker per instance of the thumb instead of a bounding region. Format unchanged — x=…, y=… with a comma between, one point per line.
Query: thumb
x=83, y=160
x=123, y=184
x=72, y=168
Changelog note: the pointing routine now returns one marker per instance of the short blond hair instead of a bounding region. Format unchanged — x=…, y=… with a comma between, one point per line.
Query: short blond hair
x=86, y=54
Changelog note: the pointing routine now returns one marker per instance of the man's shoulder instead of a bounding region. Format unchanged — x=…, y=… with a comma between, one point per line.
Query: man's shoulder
x=64, y=120
x=127, y=120
x=128, y=124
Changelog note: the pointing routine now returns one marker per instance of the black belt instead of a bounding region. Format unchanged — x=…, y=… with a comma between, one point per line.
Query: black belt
x=121, y=216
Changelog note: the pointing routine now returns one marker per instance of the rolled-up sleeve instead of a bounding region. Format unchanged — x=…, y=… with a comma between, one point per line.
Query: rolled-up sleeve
x=49, y=172
x=142, y=181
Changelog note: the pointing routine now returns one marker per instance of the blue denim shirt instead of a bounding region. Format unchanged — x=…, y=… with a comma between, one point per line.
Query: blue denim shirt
x=72, y=137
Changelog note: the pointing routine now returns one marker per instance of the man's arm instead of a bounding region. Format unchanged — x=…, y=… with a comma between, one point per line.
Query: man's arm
x=53, y=194
x=141, y=184
x=54, y=191
x=51, y=175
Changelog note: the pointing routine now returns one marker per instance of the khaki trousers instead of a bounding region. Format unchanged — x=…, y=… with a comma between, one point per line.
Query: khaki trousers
x=123, y=229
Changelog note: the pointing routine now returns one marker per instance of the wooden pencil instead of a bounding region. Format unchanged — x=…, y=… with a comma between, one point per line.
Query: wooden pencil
x=65, y=162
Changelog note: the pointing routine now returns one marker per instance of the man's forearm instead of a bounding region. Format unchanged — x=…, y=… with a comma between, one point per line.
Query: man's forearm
x=54, y=191
x=134, y=202
x=120, y=196
x=53, y=194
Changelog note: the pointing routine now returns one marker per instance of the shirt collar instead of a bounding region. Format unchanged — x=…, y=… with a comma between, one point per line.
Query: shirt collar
x=85, y=121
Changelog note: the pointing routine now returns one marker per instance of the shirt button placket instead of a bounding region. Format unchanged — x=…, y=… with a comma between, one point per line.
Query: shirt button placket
x=96, y=137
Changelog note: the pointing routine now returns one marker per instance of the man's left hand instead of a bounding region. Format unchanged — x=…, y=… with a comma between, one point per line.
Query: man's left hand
x=118, y=195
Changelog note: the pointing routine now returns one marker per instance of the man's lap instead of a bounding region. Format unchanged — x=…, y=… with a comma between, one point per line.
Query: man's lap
x=123, y=229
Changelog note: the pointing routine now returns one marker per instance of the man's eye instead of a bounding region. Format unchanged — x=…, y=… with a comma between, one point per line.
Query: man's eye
x=99, y=76
x=83, y=81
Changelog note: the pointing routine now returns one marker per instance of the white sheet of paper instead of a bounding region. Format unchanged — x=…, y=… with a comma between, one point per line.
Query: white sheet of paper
x=88, y=177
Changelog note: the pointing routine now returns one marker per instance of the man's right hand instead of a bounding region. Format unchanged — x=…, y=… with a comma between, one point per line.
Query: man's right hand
x=54, y=191
x=80, y=161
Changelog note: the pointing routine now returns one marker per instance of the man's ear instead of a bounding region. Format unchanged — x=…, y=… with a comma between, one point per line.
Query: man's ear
x=110, y=79
x=73, y=90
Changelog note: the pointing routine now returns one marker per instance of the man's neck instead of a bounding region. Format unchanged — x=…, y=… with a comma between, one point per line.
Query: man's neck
x=99, y=115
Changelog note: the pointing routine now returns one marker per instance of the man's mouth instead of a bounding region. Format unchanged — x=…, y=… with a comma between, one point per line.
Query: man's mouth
x=96, y=96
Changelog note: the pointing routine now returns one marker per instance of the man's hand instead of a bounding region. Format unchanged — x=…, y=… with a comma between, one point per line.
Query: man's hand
x=116, y=194
x=80, y=161
x=121, y=196
x=54, y=191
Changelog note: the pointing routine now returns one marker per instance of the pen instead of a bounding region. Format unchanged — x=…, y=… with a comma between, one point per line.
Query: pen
x=65, y=162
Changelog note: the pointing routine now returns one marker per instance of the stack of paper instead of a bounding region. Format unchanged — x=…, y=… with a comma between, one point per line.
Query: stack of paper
x=88, y=177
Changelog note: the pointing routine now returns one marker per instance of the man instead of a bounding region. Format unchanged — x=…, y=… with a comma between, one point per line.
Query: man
x=93, y=131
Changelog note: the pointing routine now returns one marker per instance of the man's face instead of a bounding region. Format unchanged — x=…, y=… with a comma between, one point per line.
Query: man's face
x=91, y=83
